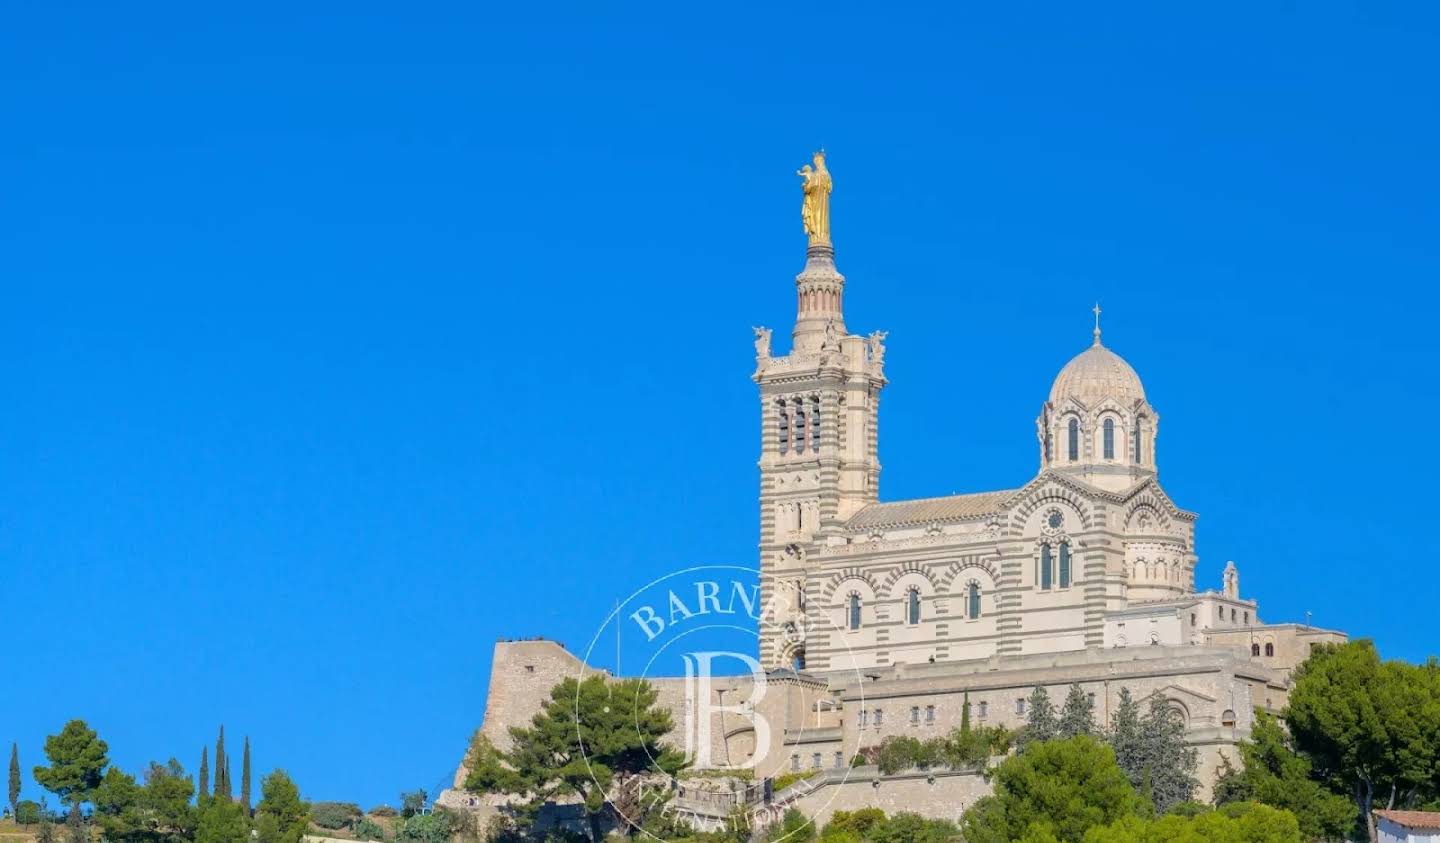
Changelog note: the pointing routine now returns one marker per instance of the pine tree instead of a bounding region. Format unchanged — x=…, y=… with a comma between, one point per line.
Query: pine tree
x=1077, y=717
x=204, y=774
x=1040, y=723
x=965, y=715
x=245, y=777
x=14, y=780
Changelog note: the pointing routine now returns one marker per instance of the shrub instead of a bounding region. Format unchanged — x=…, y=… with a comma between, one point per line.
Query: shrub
x=335, y=814
x=784, y=780
x=368, y=829
x=384, y=811
x=27, y=812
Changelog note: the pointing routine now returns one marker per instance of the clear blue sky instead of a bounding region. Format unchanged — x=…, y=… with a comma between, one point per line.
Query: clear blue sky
x=341, y=339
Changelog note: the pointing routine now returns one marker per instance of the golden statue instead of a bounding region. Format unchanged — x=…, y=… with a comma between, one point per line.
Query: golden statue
x=815, y=209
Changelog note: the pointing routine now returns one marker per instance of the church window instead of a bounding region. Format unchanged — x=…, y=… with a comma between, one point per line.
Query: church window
x=854, y=611
x=915, y=714
x=864, y=718
x=839, y=760
x=800, y=426
x=1254, y=649
x=1139, y=443
x=1020, y=705
x=1109, y=436
x=1049, y=446
x=912, y=606
x=815, y=425
x=1269, y=649
x=1246, y=618
x=815, y=760
x=1064, y=564
x=784, y=429
x=879, y=718
x=1047, y=565
x=929, y=714
x=984, y=709
x=1227, y=718
x=972, y=600
x=1073, y=445
x=799, y=661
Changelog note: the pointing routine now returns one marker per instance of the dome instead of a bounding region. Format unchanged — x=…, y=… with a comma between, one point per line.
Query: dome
x=1095, y=374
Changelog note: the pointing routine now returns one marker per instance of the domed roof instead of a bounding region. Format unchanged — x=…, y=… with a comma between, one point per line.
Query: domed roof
x=1095, y=374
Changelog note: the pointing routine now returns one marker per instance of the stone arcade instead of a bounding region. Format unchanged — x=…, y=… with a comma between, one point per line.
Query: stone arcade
x=1085, y=574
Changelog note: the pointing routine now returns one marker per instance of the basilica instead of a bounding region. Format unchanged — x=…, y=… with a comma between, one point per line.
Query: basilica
x=888, y=617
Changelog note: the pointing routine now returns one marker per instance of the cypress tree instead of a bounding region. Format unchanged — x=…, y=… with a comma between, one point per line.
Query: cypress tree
x=222, y=768
x=204, y=774
x=965, y=715
x=14, y=780
x=1077, y=716
x=1041, y=724
x=245, y=777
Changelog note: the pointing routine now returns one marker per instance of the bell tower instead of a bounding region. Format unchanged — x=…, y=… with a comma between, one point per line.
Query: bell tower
x=819, y=408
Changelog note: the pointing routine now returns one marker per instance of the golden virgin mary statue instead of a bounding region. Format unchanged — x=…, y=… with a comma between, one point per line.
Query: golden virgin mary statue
x=815, y=209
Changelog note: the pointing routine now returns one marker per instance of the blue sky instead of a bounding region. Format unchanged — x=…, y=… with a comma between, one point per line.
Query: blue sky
x=341, y=339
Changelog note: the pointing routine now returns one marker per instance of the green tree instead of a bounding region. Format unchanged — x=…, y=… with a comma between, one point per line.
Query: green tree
x=1040, y=722
x=965, y=713
x=204, y=772
x=913, y=828
x=589, y=739
x=1274, y=774
x=412, y=802
x=1169, y=758
x=1066, y=785
x=1077, y=716
x=1368, y=726
x=794, y=827
x=851, y=826
x=14, y=779
x=157, y=812
x=221, y=821
x=1124, y=737
x=27, y=812
x=77, y=763
x=335, y=815
x=1249, y=823
x=222, y=767
x=245, y=776
x=282, y=816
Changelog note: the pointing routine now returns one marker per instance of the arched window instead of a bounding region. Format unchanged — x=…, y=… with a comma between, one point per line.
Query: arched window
x=1109, y=435
x=973, y=599
x=1227, y=718
x=1049, y=442
x=1269, y=649
x=854, y=611
x=815, y=425
x=1139, y=443
x=1064, y=564
x=784, y=436
x=1074, y=436
x=799, y=661
x=1047, y=565
x=800, y=426
x=1254, y=649
x=912, y=606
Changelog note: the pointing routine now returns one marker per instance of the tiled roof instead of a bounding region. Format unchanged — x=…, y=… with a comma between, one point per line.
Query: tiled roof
x=1413, y=820
x=925, y=510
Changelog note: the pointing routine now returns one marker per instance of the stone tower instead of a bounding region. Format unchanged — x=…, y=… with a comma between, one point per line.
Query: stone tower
x=818, y=456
